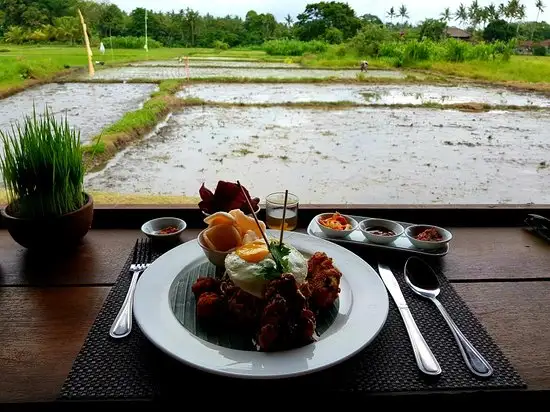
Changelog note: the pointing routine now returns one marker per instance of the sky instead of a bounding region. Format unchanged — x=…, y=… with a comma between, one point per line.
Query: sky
x=418, y=9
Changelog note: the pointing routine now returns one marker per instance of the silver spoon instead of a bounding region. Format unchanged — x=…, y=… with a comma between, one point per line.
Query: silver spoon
x=423, y=281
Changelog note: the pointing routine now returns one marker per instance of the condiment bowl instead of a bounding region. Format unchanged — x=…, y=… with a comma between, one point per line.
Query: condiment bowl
x=374, y=223
x=333, y=232
x=215, y=257
x=152, y=228
x=412, y=231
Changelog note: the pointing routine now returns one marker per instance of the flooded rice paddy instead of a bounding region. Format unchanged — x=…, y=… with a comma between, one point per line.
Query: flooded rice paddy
x=356, y=155
x=216, y=63
x=376, y=155
x=130, y=73
x=360, y=94
x=88, y=107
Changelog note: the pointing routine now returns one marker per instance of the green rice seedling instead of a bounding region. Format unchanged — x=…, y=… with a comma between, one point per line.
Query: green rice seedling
x=42, y=167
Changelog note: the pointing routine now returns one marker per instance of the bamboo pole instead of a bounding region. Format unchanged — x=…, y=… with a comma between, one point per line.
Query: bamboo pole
x=88, y=49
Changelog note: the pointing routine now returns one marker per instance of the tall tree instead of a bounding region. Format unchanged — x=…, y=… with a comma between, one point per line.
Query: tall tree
x=403, y=13
x=492, y=12
x=111, y=21
x=289, y=20
x=474, y=14
x=461, y=14
x=371, y=19
x=446, y=15
x=391, y=14
x=540, y=9
x=318, y=17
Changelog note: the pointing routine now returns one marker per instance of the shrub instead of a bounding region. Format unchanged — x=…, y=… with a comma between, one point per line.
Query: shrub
x=539, y=51
x=220, y=45
x=293, y=47
x=334, y=36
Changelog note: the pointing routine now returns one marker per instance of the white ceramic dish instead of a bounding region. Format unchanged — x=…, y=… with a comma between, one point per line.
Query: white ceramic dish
x=362, y=312
x=336, y=233
x=387, y=224
x=151, y=227
x=215, y=257
x=401, y=244
x=414, y=230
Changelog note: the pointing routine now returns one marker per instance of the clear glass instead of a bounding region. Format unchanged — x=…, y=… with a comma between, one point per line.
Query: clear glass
x=274, y=206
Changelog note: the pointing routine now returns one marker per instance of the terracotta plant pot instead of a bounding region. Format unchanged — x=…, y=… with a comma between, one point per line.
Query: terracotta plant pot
x=59, y=233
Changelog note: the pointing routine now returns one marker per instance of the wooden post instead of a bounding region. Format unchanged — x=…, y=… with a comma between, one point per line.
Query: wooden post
x=88, y=49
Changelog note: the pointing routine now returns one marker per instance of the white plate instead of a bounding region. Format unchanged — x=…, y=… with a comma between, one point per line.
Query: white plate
x=362, y=312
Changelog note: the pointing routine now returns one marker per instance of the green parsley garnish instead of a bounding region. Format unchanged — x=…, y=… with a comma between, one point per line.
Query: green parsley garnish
x=279, y=252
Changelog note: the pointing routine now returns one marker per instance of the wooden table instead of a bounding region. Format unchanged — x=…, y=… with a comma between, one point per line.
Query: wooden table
x=48, y=306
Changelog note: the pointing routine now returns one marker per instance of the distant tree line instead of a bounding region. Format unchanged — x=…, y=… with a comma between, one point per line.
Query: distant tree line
x=37, y=21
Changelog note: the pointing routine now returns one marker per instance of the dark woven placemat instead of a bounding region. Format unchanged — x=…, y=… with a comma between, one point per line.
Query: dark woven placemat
x=132, y=368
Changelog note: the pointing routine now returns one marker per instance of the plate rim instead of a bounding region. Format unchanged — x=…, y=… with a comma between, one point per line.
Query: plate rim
x=140, y=310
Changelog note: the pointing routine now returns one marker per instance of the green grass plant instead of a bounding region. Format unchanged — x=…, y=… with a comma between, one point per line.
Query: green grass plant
x=42, y=167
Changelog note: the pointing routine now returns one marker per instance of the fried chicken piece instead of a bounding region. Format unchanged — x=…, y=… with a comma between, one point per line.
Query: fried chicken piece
x=307, y=324
x=287, y=287
x=209, y=306
x=323, y=281
x=244, y=309
x=205, y=284
x=286, y=322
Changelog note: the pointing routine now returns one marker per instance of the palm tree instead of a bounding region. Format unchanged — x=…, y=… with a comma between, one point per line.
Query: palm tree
x=446, y=15
x=512, y=10
x=403, y=13
x=484, y=16
x=391, y=14
x=289, y=20
x=502, y=10
x=520, y=15
x=461, y=14
x=474, y=14
x=540, y=9
x=493, y=13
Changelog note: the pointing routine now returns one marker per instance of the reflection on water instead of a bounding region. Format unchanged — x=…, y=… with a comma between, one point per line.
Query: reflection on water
x=360, y=94
x=128, y=73
x=360, y=155
x=88, y=107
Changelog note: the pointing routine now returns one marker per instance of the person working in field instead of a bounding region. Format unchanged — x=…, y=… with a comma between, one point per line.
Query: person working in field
x=364, y=65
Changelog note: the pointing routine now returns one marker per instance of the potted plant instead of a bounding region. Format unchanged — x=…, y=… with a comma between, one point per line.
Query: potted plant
x=43, y=173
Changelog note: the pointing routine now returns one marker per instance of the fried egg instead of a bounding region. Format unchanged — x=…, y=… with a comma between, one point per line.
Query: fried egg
x=244, y=266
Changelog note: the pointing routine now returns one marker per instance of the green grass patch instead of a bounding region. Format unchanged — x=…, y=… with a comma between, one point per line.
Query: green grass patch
x=114, y=199
x=528, y=69
x=359, y=79
x=133, y=125
x=25, y=66
x=343, y=104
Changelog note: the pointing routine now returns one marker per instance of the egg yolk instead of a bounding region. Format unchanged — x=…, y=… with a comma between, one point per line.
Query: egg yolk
x=253, y=252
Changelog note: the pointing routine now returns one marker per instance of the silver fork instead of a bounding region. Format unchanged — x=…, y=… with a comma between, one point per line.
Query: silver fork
x=141, y=260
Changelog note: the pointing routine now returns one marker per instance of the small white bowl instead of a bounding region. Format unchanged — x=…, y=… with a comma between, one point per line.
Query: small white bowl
x=152, y=227
x=387, y=224
x=336, y=233
x=215, y=257
x=414, y=230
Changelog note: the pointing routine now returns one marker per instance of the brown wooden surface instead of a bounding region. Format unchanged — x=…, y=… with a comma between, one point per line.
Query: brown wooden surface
x=42, y=330
x=476, y=254
x=48, y=306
